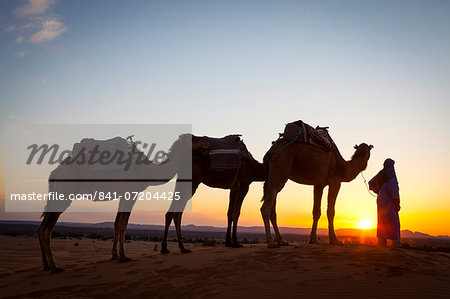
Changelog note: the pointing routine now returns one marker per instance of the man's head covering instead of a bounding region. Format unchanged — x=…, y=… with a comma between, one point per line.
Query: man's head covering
x=389, y=168
x=388, y=163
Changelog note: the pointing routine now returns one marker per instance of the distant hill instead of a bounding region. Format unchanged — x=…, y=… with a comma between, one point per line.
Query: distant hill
x=214, y=229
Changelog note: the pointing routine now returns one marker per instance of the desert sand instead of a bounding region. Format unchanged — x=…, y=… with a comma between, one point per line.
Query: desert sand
x=298, y=270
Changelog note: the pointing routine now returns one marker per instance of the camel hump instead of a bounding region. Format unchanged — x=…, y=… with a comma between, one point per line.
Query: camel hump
x=293, y=130
x=303, y=132
x=227, y=142
x=90, y=146
x=224, y=153
x=113, y=144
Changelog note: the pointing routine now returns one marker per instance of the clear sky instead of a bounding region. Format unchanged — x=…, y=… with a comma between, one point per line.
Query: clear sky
x=373, y=71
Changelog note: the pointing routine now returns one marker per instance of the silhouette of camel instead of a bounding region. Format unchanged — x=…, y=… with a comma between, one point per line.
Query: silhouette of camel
x=72, y=178
x=237, y=180
x=308, y=164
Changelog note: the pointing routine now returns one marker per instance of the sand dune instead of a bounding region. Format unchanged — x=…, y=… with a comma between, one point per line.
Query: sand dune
x=254, y=271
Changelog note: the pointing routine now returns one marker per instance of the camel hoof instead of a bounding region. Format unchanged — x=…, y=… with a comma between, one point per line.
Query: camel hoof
x=283, y=243
x=228, y=244
x=336, y=242
x=114, y=258
x=46, y=268
x=237, y=245
x=313, y=240
x=165, y=251
x=273, y=245
x=57, y=270
x=184, y=250
x=124, y=259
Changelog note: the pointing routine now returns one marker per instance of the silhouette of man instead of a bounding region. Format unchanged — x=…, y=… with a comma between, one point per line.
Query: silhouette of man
x=385, y=184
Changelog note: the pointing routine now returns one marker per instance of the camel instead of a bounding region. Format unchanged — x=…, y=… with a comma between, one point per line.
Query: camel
x=71, y=178
x=308, y=164
x=237, y=180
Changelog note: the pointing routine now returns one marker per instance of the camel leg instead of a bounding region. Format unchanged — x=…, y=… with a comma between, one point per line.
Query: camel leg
x=272, y=186
x=44, y=233
x=242, y=192
x=169, y=217
x=275, y=182
x=266, y=210
x=175, y=212
x=115, y=256
x=332, y=195
x=42, y=243
x=123, y=222
x=231, y=208
x=180, y=206
x=273, y=219
x=318, y=191
x=177, y=222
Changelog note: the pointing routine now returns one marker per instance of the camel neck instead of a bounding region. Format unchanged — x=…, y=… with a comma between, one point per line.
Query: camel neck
x=354, y=167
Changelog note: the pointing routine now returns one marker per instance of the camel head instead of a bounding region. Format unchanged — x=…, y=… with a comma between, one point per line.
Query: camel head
x=362, y=151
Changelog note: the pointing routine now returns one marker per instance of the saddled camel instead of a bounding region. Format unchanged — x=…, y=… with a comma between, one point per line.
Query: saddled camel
x=237, y=180
x=73, y=178
x=308, y=164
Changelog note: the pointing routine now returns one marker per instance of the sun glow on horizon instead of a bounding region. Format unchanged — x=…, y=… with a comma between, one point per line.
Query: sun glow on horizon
x=365, y=224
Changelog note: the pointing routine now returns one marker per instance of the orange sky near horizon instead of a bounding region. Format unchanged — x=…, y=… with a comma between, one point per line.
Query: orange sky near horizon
x=294, y=208
x=424, y=199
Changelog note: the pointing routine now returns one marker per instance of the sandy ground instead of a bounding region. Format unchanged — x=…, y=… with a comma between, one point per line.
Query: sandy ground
x=297, y=270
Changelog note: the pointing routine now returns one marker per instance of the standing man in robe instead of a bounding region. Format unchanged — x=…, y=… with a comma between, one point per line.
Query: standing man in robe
x=385, y=184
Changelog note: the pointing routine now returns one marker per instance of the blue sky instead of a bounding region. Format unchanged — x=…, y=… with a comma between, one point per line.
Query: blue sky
x=374, y=71
x=219, y=63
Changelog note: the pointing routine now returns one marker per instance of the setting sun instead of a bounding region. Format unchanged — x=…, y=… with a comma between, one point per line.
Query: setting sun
x=365, y=224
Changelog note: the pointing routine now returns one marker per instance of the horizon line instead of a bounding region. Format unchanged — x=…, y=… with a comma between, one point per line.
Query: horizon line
x=223, y=227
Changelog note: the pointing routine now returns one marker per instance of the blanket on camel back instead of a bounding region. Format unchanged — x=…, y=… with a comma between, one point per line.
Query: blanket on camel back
x=224, y=152
x=307, y=134
x=116, y=148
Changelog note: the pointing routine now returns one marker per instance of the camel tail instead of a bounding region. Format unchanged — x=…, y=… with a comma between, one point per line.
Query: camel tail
x=264, y=190
x=266, y=161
